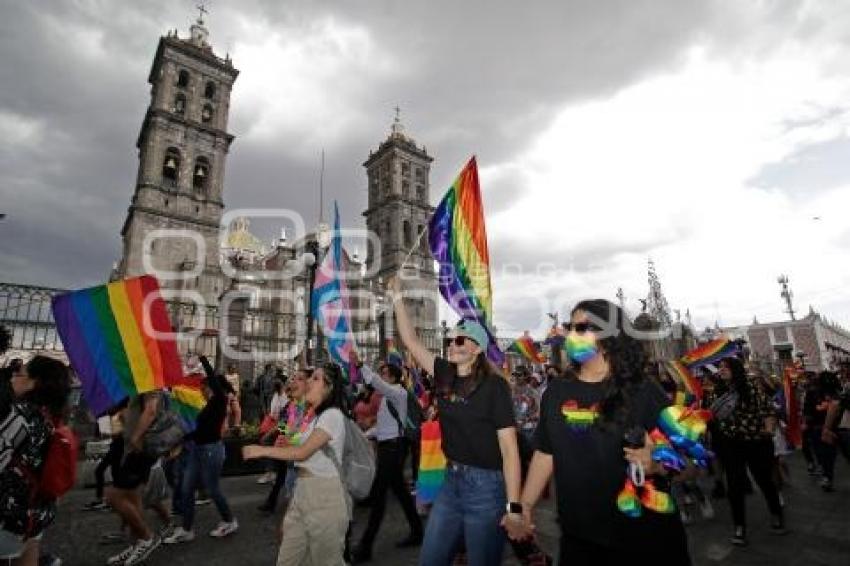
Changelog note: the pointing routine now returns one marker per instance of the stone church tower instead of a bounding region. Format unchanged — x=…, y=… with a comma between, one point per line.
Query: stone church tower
x=398, y=213
x=183, y=145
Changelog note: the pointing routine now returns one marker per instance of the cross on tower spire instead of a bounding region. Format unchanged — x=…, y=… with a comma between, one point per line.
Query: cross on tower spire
x=202, y=11
x=398, y=127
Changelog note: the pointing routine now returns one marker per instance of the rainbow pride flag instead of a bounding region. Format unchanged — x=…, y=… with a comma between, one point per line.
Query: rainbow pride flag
x=432, y=464
x=709, y=353
x=686, y=381
x=524, y=345
x=458, y=242
x=118, y=340
x=188, y=399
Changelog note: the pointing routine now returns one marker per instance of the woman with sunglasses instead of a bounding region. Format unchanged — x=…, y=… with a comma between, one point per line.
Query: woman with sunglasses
x=580, y=438
x=482, y=483
x=316, y=521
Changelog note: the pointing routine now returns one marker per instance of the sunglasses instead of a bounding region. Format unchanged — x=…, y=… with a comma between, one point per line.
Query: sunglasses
x=461, y=340
x=581, y=327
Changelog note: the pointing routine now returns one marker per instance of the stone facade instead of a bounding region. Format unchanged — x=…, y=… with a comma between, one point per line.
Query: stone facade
x=183, y=146
x=398, y=213
x=823, y=345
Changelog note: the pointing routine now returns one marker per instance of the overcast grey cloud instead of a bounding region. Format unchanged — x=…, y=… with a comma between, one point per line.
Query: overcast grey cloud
x=488, y=77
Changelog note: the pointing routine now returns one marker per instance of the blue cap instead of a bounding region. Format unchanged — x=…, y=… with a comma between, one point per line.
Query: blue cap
x=472, y=330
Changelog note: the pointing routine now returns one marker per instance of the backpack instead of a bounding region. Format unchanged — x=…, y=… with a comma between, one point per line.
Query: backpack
x=357, y=469
x=59, y=472
x=413, y=422
x=166, y=431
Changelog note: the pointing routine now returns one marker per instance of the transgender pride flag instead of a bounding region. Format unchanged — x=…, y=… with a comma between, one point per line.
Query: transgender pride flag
x=330, y=300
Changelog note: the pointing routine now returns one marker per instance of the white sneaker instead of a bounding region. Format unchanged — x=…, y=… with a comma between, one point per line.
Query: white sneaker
x=685, y=516
x=121, y=557
x=179, y=535
x=706, y=509
x=223, y=529
x=142, y=550
x=265, y=478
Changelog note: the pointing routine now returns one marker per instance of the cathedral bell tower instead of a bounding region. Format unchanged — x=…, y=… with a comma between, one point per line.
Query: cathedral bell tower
x=398, y=213
x=183, y=145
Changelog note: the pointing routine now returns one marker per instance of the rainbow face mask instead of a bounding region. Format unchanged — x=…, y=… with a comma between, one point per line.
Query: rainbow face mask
x=580, y=348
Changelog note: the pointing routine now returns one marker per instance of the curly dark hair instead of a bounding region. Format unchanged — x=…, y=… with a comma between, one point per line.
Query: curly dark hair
x=52, y=385
x=624, y=354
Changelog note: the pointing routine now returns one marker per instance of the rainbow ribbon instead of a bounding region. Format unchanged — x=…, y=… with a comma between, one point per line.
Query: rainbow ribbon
x=686, y=380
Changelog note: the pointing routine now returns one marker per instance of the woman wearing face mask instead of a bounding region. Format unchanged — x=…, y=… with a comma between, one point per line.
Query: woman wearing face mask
x=584, y=419
x=745, y=440
x=30, y=403
x=482, y=483
x=317, y=519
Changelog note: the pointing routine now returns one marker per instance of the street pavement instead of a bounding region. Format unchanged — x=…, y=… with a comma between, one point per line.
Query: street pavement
x=819, y=524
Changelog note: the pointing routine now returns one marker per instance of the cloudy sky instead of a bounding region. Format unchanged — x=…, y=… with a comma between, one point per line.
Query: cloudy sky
x=709, y=136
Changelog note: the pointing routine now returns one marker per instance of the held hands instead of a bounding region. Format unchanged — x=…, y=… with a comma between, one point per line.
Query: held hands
x=518, y=527
x=827, y=436
x=642, y=456
x=394, y=285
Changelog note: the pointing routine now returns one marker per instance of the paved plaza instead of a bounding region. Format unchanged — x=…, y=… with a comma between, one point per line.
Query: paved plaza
x=819, y=524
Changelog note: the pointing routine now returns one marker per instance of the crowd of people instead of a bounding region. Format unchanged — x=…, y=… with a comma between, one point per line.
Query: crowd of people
x=583, y=426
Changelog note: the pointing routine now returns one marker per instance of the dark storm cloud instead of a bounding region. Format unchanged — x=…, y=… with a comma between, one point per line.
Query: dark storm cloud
x=477, y=77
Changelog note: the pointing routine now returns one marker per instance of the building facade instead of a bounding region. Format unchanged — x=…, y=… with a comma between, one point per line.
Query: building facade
x=183, y=146
x=819, y=344
x=398, y=213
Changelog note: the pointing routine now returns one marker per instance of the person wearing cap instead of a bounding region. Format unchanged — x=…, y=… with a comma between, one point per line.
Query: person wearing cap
x=480, y=494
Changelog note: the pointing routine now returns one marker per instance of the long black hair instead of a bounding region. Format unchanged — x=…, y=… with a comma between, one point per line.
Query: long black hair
x=624, y=354
x=337, y=397
x=740, y=382
x=52, y=385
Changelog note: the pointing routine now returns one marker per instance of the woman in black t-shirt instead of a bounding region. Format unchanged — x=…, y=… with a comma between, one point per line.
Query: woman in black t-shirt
x=480, y=493
x=580, y=437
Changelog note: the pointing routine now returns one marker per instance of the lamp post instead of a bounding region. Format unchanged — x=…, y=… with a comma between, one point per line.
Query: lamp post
x=310, y=260
x=445, y=331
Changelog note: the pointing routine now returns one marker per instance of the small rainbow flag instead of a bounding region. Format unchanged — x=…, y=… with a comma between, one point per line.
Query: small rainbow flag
x=118, y=340
x=525, y=346
x=709, y=353
x=188, y=399
x=432, y=463
x=686, y=381
x=458, y=242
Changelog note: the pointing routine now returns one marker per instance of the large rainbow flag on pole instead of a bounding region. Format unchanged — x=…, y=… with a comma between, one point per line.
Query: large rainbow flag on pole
x=524, y=345
x=330, y=300
x=458, y=243
x=119, y=340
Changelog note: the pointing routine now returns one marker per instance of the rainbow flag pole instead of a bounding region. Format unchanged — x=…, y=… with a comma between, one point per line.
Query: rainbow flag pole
x=458, y=242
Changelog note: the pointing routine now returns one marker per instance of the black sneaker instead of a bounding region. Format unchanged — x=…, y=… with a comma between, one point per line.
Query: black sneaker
x=777, y=526
x=740, y=537
x=826, y=485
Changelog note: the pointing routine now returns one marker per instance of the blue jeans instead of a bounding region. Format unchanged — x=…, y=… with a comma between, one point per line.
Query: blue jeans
x=468, y=509
x=203, y=462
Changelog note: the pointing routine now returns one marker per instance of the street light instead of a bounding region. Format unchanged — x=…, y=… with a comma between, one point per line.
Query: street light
x=310, y=261
x=445, y=330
